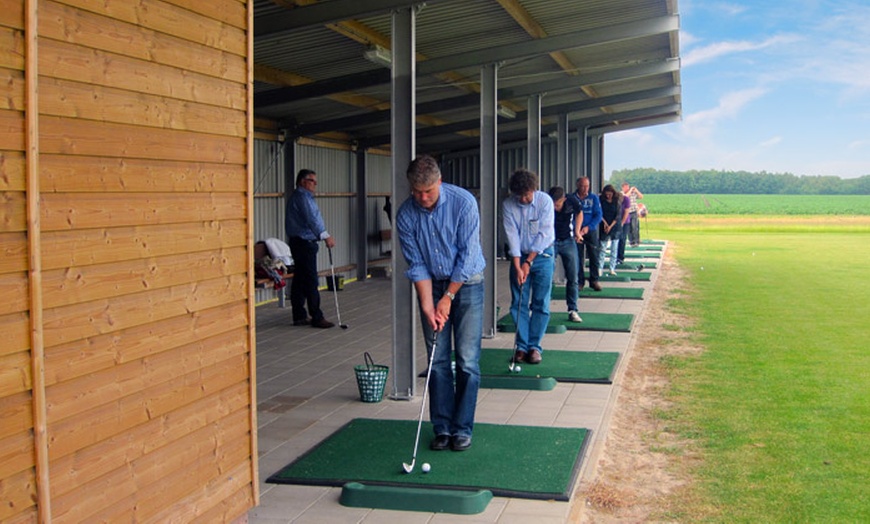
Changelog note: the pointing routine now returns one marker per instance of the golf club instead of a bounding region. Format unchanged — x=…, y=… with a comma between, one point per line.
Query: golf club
x=335, y=290
x=410, y=467
x=513, y=363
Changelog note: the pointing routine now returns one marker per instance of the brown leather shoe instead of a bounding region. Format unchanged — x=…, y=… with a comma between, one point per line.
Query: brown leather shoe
x=595, y=285
x=322, y=323
x=520, y=356
x=534, y=357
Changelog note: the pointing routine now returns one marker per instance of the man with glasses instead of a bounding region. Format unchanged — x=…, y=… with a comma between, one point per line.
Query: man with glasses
x=305, y=228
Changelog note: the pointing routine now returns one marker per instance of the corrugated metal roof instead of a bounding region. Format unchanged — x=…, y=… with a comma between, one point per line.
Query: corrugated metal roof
x=346, y=93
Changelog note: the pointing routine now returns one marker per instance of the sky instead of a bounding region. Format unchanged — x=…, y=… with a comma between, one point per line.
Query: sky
x=782, y=87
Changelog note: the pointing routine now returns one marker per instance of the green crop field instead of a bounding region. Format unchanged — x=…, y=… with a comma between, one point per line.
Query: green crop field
x=757, y=204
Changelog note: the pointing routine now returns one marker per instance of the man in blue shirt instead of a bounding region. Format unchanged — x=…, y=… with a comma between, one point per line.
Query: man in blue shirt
x=305, y=228
x=528, y=217
x=588, y=248
x=439, y=233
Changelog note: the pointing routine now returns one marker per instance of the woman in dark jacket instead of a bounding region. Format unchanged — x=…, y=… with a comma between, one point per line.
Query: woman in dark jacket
x=610, y=230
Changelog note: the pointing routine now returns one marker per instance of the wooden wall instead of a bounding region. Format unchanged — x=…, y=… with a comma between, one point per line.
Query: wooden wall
x=126, y=312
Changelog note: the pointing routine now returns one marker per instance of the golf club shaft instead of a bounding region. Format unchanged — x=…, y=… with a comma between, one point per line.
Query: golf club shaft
x=425, y=392
x=334, y=288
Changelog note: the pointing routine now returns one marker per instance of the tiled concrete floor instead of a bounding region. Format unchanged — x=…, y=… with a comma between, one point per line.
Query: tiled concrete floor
x=306, y=390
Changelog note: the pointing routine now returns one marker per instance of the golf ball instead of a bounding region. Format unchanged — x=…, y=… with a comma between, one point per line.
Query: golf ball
x=426, y=467
x=517, y=369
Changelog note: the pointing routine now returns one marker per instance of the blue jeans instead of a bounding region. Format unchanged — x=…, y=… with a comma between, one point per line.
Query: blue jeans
x=614, y=237
x=567, y=251
x=531, y=311
x=451, y=406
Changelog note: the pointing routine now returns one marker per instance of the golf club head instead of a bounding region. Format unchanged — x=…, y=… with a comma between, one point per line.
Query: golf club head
x=408, y=467
x=640, y=267
x=343, y=326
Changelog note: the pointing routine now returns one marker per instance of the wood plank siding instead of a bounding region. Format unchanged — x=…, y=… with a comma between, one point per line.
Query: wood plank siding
x=126, y=294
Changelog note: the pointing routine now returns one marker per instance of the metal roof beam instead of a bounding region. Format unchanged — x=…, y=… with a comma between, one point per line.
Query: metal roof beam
x=594, y=103
x=520, y=134
x=480, y=58
x=471, y=100
x=634, y=124
x=577, y=39
x=323, y=13
x=584, y=105
x=339, y=84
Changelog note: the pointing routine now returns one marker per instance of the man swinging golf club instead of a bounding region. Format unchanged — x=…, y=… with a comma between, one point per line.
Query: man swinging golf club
x=439, y=233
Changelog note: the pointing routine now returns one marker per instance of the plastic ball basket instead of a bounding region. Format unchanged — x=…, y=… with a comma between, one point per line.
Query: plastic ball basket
x=371, y=379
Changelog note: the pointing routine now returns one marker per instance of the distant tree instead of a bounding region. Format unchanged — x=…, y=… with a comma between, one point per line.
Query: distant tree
x=711, y=181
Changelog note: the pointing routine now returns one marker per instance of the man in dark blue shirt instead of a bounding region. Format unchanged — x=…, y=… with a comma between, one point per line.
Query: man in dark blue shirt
x=304, y=226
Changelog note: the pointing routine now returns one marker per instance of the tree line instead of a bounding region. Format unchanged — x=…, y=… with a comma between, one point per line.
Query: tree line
x=651, y=180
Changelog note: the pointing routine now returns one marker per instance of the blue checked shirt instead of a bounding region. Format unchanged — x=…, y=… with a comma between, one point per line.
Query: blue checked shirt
x=302, y=217
x=529, y=227
x=442, y=244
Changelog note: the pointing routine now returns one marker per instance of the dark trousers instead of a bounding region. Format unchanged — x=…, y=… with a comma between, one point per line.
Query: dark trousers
x=626, y=233
x=634, y=238
x=588, y=250
x=305, y=280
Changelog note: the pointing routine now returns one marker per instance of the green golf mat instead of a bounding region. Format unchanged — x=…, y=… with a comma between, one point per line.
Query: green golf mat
x=591, y=322
x=643, y=254
x=630, y=265
x=634, y=293
x=625, y=276
x=646, y=247
x=501, y=460
x=653, y=242
x=565, y=366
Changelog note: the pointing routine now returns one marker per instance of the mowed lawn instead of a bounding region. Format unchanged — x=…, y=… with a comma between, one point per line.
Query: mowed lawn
x=779, y=402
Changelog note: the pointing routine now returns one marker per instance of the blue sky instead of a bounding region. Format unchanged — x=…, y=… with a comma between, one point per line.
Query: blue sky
x=766, y=86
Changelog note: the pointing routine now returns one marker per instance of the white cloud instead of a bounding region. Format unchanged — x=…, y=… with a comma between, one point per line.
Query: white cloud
x=702, y=123
x=859, y=144
x=715, y=50
x=771, y=141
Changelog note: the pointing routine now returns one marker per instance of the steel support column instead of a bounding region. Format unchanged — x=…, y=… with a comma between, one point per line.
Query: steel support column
x=563, y=177
x=362, y=193
x=534, y=135
x=402, y=128
x=489, y=191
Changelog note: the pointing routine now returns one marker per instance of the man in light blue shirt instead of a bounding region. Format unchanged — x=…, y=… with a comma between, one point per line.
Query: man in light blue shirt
x=439, y=233
x=305, y=228
x=529, y=217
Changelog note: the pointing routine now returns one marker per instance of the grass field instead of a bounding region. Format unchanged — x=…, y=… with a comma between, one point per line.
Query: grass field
x=779, y=402
x=840, y=205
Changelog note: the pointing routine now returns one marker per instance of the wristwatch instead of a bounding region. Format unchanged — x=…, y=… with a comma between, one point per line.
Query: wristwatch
x=450, y=295
x=529, y=262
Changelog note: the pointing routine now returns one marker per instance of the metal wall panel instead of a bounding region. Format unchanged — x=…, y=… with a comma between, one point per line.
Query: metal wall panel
x=336, y=197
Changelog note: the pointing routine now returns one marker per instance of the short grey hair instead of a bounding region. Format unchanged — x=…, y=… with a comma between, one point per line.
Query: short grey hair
x=423, y=171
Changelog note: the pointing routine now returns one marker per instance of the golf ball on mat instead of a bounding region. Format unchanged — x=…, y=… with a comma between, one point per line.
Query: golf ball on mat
x=517, y=369
x=426, y=467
